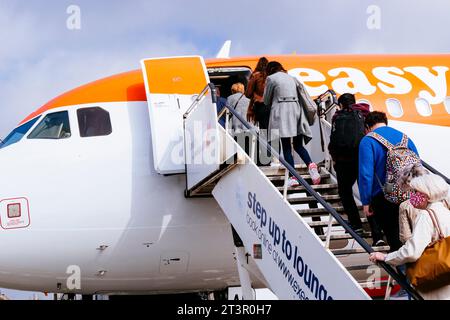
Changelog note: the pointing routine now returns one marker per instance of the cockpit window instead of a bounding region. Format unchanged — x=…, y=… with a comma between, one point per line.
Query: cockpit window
x=94, y=122
x=53, y=126
x=18, y=133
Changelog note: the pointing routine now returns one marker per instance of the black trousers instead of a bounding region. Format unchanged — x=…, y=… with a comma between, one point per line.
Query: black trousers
x=386, y=216
x=262, y=115
x=347, y=175
x=244, y=139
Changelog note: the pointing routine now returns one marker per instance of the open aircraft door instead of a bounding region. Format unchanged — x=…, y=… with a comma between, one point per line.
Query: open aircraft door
x=172, y=85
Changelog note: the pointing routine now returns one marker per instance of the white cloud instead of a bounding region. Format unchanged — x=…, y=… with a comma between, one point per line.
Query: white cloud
x=37, y=82
x=40, y=58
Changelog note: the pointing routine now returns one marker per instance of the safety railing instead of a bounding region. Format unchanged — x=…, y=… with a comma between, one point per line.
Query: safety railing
x=195, y=103
x=433, y=170
x=400, y=279
x=200, y=138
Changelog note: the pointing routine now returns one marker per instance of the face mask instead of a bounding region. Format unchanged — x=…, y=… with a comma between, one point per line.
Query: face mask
x=418, y=199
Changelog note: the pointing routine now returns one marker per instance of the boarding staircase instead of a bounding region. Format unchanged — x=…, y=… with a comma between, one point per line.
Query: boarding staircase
x=350, y=256
x=294, y=239
x=300, y=210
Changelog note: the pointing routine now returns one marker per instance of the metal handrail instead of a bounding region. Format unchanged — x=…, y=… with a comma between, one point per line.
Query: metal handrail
x=209, y=86
x=433, y=170
x=401, y=280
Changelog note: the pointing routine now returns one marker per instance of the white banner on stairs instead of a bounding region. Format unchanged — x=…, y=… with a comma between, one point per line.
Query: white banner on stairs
x=294, y=260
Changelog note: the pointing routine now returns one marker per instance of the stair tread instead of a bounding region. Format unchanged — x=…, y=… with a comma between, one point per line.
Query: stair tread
x=320, y=210
x=333, y=223
x=315, y=187
x=304, y=176
x=360, y=267
x=307, y=199
x=316, y=210
x=358, y=250
x=279, y=171
x=344, y=236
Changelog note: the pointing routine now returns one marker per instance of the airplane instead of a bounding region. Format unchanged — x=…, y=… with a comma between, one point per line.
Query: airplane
x=84, y=191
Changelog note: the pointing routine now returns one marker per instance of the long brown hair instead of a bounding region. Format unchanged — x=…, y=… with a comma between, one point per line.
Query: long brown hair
x=262, y=65
x=274, y=67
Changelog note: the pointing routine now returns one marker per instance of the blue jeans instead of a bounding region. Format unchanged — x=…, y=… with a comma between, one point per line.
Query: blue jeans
x=298, y=147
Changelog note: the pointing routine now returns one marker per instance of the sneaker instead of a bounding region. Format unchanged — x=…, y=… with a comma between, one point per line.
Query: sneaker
x=293, y=182
x=275, y=164
x=379, y=243
x=314, y=173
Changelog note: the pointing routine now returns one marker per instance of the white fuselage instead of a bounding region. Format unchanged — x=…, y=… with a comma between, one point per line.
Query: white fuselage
x=97, y=205
x=89, y=194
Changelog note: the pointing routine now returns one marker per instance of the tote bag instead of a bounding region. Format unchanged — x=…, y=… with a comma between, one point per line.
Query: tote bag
x=432, y=270
x=306, y=102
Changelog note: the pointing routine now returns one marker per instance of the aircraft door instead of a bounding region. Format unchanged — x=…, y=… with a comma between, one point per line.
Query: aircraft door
x=172, y=84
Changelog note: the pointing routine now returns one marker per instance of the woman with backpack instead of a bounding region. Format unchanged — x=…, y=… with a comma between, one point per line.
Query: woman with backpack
x=288, y=120
x=428, y=193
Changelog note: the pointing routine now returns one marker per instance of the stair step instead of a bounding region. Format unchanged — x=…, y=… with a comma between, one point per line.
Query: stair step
x=361, y=267
x=331, y=186
x=333, y=223
x=279, y=171
x=339, y=252
x=310, y=199
x=280, y=178
x=310, y=211
x=344, y=236
x=306, y=212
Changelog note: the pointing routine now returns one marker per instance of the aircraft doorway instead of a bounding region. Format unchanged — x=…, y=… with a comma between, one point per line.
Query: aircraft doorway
x=224, y=78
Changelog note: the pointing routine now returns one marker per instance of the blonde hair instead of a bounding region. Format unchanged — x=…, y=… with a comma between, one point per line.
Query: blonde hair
x=432, y=185
x=237, y=87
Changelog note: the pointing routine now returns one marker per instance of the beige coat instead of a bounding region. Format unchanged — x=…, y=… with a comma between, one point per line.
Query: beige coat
x=407, y=217
x=424, y=233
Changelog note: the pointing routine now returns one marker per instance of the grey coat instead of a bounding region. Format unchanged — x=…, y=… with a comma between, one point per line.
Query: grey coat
x=241, y=107
x=287, y=118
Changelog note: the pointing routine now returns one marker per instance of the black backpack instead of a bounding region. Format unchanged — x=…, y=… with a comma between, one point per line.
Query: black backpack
x=346, y=134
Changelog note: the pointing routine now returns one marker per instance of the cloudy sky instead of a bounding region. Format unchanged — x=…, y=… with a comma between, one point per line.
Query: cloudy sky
x=41, y=58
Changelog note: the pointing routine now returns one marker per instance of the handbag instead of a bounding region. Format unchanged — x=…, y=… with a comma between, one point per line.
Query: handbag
x=306, y=102
x=432, y=270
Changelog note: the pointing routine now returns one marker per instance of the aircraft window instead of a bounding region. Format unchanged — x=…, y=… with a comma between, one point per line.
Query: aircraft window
x=423, y=107
x=17, y=134
x=53, y=126
x=447, y=104
x=394, y=108
x=94, y=122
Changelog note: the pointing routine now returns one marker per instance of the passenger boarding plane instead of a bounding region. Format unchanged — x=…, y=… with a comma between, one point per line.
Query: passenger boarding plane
x=88, y=183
